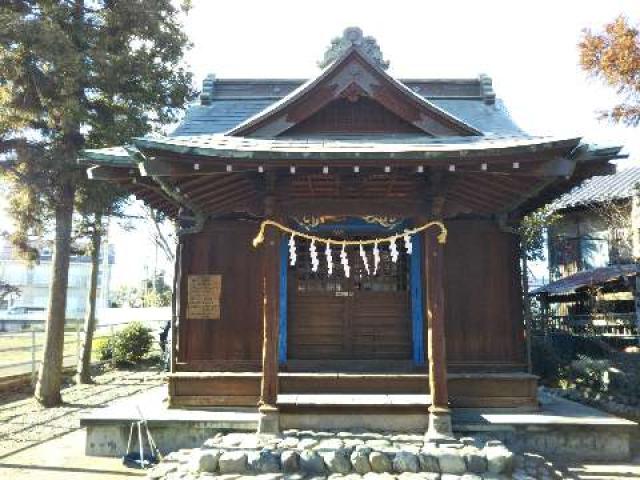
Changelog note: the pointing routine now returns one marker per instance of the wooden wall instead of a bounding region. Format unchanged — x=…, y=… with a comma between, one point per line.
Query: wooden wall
x=483, y=296
x=234, y=341
x=484, y=326
x=360, y=116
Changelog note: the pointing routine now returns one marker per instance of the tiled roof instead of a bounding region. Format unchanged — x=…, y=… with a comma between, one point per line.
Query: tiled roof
x=488, y=118
x=228, y=103
x=358, y=146
x=220, y=115
x=618, y=186
x=224, y=114
x=344, y=59
x=587, y=278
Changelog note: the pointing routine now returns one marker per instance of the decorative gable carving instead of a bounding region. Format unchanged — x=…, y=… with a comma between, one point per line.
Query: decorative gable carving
x=352, y=37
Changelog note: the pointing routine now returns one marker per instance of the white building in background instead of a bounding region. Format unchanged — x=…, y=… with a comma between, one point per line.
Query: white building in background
x=33, y=279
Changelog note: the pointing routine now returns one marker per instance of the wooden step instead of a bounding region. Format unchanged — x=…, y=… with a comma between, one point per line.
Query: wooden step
x=469, y=390
x=353, y=403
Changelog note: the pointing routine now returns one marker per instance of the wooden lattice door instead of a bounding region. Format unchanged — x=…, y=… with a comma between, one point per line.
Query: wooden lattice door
x=363, y=317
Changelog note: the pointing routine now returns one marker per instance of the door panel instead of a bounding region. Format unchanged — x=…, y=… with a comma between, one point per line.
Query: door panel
x=364, y=317
x=381, y=326
x=316, y=326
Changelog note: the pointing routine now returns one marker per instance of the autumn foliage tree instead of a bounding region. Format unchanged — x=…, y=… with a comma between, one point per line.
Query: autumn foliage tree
x=77, y=74
x=613, y=56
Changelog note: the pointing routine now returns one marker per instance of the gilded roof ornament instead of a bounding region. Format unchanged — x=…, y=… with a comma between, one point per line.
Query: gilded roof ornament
x=352, y=36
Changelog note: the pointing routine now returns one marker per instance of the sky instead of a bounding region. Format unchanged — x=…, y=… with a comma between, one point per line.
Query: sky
x=529, y=49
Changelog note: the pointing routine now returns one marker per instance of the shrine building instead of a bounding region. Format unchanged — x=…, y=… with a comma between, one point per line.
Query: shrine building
x=350, y=236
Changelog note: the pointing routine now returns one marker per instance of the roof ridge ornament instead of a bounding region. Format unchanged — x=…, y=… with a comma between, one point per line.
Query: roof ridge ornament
x=353, y=37
x=486, y=86
x=208, y=89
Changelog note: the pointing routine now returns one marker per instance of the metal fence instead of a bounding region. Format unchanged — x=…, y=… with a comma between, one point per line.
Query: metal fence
x=594, y=324
x=20, y=352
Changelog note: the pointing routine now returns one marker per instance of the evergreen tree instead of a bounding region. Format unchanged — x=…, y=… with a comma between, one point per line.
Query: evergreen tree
x=77, y=74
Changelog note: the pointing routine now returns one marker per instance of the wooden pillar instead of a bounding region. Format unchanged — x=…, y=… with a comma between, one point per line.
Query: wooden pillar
x=439, y=414
x=269, y=416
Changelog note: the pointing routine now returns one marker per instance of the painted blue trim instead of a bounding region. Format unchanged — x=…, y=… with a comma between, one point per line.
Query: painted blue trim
x=417, y=311
x=415, y=283
x=356, y=225
x=282, y=335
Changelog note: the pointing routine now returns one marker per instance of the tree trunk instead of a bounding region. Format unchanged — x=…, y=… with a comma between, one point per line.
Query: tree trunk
x=84, y=362
x=50, y=374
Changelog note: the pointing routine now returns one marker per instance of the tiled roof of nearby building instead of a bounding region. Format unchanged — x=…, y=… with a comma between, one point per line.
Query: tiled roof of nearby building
x=618, y=186
x=587, y=278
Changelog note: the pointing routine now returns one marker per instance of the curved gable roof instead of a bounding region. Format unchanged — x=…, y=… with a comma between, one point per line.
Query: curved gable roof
x=353, y=73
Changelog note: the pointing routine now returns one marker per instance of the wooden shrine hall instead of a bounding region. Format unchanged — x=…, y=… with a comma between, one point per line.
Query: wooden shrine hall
x=308, y=262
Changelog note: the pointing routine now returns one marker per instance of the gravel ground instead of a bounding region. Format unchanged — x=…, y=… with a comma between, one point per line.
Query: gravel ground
x=24, y=423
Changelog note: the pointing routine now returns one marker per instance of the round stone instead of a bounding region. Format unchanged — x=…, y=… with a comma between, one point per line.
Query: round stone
x=290, y=461
x=380, y=462
x=337, y=461
x=476, y=461
x=263, y=461
x=329, y=444
x=428, y=462
x=450, y=460
x=161, y=470
x=289, y=442
x=415, y=449
x=204, y=461
x=379, y=443
x=307, y=443
x=405, y=462
x=213, y=441
x=311, y=462
x=233, y=462
x=360, y=460
x=235, y=439
x=353, y=442
x=499, y=459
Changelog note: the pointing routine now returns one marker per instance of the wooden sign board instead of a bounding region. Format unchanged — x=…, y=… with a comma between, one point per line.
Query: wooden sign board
x=203, y=297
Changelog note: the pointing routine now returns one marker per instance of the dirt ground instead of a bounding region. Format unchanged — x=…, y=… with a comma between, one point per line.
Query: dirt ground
x=39, y=443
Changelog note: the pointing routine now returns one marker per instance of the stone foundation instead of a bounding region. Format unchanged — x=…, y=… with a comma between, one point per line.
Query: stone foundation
x=569, y=443
x=334, y=454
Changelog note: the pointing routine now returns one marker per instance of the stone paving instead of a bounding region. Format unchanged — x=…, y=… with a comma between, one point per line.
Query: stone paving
x=24, y=423
x=349, y=455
